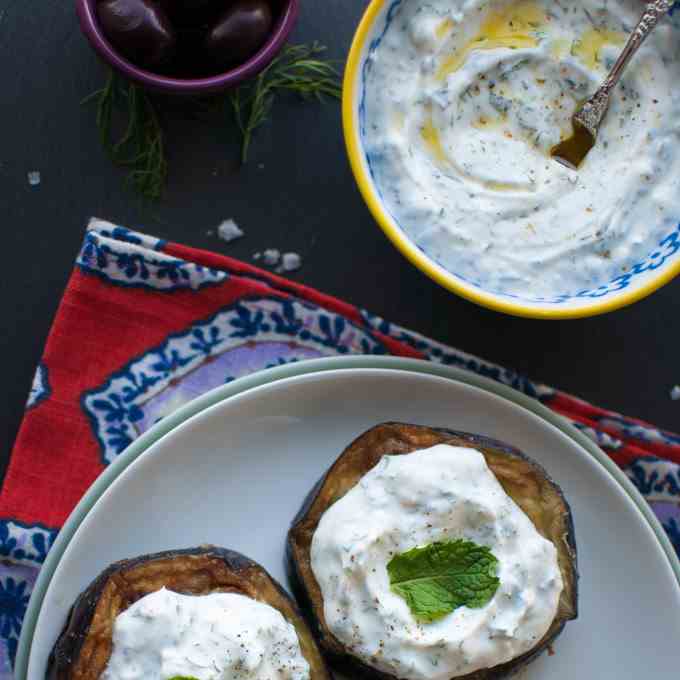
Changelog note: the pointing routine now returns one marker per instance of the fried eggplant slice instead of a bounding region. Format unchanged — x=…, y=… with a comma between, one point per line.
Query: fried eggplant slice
x=85, y=644
x=523, y=480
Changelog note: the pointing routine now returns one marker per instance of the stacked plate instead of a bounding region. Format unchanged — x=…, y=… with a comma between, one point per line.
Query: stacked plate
x=232, y=468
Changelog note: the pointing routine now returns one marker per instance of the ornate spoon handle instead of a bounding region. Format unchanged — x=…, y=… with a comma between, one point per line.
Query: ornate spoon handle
x=592, y=112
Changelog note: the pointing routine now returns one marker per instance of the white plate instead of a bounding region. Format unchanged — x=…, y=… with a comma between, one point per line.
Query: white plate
x=235, y=474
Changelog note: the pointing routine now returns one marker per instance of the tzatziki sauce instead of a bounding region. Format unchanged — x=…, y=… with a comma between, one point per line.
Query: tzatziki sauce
x=412, y=500
x=220, y=636
x=463, y=101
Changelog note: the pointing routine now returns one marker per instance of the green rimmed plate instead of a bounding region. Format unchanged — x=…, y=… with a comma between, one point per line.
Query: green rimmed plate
x=263, y=440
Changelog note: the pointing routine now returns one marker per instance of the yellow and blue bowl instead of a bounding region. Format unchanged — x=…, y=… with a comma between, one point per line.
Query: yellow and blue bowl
x=650, y=273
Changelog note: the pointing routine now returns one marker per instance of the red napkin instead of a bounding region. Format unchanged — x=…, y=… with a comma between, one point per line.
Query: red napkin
x=146, y=325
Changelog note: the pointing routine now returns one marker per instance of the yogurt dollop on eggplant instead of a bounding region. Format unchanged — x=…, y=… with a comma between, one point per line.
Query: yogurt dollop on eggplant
x=220, y=636
x=463, y=102
x=406, y=501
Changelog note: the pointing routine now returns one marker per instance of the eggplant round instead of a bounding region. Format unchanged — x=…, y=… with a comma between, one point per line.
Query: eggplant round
x=524, y=480
x=140, y=29
x=239, y=32
x=84, y=646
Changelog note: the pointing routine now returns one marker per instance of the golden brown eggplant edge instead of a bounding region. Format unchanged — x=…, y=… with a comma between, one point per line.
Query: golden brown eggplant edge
x=84, y=646
x=524, y=480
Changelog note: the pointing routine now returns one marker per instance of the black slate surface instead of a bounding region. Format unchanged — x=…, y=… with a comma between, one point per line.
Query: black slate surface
x=297, y=193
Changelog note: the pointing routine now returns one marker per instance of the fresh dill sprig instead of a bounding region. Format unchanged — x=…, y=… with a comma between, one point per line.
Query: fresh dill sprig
x=297, y=69
x=140, y=145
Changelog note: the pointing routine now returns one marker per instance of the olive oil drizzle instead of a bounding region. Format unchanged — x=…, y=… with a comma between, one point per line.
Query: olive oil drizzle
x=572, y=150
x=512, y=27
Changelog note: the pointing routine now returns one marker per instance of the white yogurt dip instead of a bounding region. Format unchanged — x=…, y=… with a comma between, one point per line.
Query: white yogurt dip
x=221, y=636
x=405, y=501
x=463, y=102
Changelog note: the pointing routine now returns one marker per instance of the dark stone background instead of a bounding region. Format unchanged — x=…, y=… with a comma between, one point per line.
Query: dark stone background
x=297, y=193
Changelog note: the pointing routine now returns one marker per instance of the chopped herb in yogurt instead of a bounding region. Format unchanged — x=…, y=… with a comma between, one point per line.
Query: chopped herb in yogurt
x=170, y=636
x=462, y=108
x=429, y=570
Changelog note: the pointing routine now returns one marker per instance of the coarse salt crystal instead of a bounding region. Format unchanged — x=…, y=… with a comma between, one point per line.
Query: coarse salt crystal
x=34, y=178
x=271, y=256
x=675, y=393
x=290, y=262
x=229, y=231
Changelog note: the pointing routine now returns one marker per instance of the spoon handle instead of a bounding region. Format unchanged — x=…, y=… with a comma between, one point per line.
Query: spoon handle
x=592, y=112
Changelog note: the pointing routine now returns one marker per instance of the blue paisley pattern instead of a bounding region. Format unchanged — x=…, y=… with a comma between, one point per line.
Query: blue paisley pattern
x=14, y=596
x=123, y=407
x=643, y=433
x=40, y=389
x=443, y=354
x=602, y=439
x=27, y=544
x=23, y=549
x=659, y=482
x=656, y=479
x=125, y=235
x=126, y=263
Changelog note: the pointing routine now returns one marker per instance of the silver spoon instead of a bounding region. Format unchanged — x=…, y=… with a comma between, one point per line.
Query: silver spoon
x=588, y=117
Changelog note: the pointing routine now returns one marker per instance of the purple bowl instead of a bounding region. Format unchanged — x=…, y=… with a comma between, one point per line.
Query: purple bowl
x=89, y=23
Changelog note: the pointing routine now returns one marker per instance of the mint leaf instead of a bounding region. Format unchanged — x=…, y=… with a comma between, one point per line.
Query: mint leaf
x=438, y=578
x=183, y=677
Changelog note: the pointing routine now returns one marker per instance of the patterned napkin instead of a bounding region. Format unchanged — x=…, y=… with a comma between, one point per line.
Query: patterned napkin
x=146, y=325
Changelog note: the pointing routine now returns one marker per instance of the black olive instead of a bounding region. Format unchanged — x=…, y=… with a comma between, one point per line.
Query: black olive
x=140, y=29
x=239, y=32
x=188, y=13
x=190, y=60
x=186, y=5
